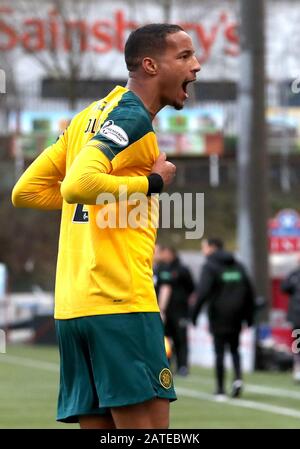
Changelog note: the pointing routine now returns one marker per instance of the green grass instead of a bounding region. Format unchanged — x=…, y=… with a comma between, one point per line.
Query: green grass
x=28, y=396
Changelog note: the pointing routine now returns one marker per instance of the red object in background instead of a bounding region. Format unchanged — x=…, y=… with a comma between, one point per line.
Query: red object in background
x=284, y=244
x=284, y=232
x=283, y=336
x=214, y=144
x=102, y=36
x=280, y=300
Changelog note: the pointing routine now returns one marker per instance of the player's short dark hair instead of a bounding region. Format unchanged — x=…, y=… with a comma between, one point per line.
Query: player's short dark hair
x=217, y=243
x=148, y=40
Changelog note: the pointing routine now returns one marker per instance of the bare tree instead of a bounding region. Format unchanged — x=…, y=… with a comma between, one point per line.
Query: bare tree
x=70, y=61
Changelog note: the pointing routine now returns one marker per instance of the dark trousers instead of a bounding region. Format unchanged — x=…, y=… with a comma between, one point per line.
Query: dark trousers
x=221, y=341
x=176, y=329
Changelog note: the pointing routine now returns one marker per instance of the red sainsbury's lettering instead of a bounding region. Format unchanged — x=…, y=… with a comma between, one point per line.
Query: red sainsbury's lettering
x=8, y=36
x=34, y=37
x=98, y=31
x=102, y=36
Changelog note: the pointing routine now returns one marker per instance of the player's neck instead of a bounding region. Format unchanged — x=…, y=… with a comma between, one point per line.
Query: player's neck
x=146, y=95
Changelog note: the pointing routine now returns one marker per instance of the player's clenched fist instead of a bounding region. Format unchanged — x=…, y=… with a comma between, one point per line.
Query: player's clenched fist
x=164, y=168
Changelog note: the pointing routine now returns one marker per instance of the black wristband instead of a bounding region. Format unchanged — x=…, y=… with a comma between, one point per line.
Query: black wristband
x=156, y=184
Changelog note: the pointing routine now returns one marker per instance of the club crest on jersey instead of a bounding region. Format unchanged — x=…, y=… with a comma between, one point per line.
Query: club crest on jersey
x=114, y=133
x=165, y=378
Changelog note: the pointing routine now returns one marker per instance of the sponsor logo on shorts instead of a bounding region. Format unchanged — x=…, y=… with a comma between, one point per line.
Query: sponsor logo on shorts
x=165, y=378
x=114, y=133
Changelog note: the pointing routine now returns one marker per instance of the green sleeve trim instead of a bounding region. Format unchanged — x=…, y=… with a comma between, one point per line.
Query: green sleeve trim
x=127, y=123
x=105, y=150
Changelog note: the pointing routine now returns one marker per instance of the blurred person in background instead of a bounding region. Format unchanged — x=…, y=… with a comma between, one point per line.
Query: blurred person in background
x=156, y=265
x=225, y=286
x=175, y=285
x=291, y=286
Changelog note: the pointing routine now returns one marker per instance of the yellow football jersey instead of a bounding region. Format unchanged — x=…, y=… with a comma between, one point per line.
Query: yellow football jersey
x=101, y=269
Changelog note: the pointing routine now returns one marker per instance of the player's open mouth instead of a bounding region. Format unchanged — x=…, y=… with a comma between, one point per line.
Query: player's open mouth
x=184, y=86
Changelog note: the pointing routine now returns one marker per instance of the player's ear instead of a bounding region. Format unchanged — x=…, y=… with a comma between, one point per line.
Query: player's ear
x=150, y=66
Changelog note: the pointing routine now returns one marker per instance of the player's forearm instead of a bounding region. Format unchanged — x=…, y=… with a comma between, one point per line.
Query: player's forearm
x=86, y=187
x=89, y=177
x=28, y=197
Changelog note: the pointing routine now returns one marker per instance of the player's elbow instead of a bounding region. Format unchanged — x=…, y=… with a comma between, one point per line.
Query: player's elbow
x=16, y=195
x=69, y=193
x=72, y=191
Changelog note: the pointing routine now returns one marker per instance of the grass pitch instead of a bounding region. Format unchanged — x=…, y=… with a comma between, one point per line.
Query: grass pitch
x=29, y=384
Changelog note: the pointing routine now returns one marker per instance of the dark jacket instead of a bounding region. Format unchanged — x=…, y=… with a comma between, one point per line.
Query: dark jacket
x=179, y=278
x=291, y=286
x=226, y=287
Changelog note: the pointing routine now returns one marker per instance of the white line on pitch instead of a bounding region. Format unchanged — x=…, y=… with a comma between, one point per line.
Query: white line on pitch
x=30, y=363
x=240, y=403
x=253, y=388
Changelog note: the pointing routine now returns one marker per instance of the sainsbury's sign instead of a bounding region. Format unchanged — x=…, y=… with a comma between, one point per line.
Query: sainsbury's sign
x=103, y=35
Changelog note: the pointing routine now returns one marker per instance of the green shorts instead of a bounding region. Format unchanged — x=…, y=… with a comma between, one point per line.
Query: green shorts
x=111, y=361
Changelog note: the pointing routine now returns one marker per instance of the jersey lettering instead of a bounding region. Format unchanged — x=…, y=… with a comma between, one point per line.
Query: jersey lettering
x=81, y=215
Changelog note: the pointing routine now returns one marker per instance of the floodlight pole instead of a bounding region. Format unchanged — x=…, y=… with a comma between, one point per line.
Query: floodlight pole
x=167, y=4
x=252, y=150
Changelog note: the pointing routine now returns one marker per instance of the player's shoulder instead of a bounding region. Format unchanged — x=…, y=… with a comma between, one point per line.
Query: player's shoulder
x=126, y=123
x=131, y=115
x=83, y=114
